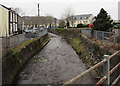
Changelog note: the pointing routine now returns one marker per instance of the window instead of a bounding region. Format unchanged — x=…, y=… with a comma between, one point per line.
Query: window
x=16, y=18
x=16, y=27
x=86, y=17
x=80, y=17
x=11, y=28
x=11, y=17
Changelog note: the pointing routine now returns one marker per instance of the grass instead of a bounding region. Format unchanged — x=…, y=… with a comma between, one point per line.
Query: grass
x=77, y=44
x=59, y=29
x=82, y=51
x=22, y=45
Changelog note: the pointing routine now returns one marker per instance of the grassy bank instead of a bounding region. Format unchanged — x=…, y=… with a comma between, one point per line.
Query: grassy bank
x=82, y=51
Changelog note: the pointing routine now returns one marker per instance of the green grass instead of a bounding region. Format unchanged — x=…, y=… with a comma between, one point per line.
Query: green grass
x=82, y=51
x=59, y=29
x=22, y=45
x=77, y=45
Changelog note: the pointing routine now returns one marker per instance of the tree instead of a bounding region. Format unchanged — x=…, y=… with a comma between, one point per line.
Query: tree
x=68, y=14
x=68, y=24
x=62, y=24
x=18, y=11
x=102, y=21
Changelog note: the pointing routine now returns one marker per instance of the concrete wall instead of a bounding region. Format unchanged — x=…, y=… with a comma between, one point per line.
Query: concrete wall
x=13, y=62
x=4, y=18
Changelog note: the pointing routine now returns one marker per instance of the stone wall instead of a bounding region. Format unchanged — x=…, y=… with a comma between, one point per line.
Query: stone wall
x=13, y=62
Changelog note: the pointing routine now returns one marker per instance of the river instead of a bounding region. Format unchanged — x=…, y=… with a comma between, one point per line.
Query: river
x=56, y=63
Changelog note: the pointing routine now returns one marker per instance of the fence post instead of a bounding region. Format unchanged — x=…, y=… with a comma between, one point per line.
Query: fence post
x=103, y=36
x=96, y=34
x=106, y=70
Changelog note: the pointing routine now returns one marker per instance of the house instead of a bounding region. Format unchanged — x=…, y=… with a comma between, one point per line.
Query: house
x=80, y=19
x=35, y=21
x=9, y=24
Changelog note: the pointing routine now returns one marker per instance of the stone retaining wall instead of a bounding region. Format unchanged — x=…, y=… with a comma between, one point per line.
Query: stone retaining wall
x=13, y=62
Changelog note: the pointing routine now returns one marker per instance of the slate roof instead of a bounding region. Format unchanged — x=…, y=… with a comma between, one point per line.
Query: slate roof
x=78, y=17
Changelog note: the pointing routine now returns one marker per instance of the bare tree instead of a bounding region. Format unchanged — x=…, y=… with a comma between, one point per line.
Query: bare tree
x=18, y=11
x=68, y=12
x=68, y=16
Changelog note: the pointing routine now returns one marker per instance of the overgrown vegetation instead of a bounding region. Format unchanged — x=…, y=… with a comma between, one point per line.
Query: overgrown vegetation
x=79, y=47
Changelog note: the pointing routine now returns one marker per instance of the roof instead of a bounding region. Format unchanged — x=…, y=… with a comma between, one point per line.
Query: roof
x=36, y=19
x=78, y=17
x=5, y=7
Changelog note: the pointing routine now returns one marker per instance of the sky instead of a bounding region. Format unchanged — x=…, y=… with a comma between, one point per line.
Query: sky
x=57, y=8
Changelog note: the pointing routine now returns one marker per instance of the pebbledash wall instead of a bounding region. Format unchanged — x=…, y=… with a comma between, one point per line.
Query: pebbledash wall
x=0, y=62
x=14, y=62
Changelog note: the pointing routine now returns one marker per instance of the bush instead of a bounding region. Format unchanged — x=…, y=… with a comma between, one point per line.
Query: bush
x=82, y=26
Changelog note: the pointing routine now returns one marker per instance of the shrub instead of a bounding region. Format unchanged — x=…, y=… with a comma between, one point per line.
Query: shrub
x=59, y=29
x=82, y=26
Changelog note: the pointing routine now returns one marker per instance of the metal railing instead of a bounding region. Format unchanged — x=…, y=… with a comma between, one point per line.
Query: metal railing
x=108, y=72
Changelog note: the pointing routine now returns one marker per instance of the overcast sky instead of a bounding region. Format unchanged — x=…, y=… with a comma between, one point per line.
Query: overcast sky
x=57, y=7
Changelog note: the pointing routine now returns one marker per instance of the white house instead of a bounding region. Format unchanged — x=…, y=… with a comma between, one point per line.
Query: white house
x=80, y=19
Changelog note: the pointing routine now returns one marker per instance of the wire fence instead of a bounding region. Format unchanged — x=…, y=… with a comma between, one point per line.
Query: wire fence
x=101, y=35
x=109, y=40
x=6, y=43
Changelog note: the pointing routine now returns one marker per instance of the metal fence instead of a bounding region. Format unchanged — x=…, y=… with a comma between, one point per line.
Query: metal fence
x=10, y=42
x=101, y=35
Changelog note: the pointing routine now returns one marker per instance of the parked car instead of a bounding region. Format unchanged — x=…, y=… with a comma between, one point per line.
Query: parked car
x=31, y=33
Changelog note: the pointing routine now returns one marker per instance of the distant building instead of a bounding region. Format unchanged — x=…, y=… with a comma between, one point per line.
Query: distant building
x=80, y=19
x=35, y=21
x=10, y=22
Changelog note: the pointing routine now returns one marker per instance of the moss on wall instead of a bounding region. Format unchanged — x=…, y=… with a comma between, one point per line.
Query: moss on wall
x=18, y=56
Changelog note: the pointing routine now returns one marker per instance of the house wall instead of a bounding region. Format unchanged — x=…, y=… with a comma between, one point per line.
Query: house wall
x=4, y=18
x=74, y=23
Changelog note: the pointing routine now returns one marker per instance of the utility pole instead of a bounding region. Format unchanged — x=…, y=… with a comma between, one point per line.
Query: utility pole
x=38, y=10
x=38, y=15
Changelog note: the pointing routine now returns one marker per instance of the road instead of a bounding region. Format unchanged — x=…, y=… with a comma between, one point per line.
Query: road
x=55, y=64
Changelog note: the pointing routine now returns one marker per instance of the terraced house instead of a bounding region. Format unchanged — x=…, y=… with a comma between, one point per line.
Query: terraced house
x=10, y=22
x=80, y=19
x=10, y=29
